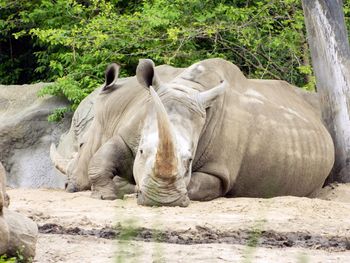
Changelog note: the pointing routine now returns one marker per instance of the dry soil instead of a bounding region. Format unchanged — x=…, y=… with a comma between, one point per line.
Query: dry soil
x=77, y=228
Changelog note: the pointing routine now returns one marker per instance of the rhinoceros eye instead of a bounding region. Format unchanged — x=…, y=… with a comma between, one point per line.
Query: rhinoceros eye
x=141, y=151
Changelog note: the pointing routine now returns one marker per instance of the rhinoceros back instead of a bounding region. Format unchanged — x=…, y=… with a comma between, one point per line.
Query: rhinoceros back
x=288, y=150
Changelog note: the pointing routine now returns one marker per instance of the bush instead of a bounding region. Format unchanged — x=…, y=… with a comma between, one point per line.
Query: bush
x=5, y=259
x=72, y=41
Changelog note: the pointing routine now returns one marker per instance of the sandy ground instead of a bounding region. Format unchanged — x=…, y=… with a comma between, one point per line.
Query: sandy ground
x=77, y=228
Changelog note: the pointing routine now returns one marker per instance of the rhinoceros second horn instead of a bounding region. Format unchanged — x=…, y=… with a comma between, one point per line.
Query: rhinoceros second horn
x=59, y=162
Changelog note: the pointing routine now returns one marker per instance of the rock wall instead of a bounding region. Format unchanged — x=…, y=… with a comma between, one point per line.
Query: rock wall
x=26, y=135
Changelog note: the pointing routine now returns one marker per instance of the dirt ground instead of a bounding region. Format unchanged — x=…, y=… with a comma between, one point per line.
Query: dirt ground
x=77, y=228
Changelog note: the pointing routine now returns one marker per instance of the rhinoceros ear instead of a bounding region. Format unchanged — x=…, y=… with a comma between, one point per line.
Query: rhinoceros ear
x=146, y=75
x=206, y=98
x=111, y=76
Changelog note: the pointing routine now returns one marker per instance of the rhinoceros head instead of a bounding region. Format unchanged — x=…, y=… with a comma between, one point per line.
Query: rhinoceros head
x=169, y=138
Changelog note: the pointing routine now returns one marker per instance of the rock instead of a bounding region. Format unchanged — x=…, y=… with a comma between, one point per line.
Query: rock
x=18, y=234
x=2, y=187
x=26, y=135
x=4, y=235
x=23, y=234
x=4, y=198
x=4, y=230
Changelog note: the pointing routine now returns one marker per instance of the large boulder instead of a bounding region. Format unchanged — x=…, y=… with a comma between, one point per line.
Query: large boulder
x=4, y=198
x=26, y=135
x=23, y=234
x=18, y=234
x=4, y=230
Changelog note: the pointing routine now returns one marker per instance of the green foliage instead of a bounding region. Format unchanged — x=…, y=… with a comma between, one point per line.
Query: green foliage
x=58, y=114
x=5, y=259
x=16, y=55
x=303, y=258
x=128, y=232
x=73, y=40
x=346, y=8
x=18, y=259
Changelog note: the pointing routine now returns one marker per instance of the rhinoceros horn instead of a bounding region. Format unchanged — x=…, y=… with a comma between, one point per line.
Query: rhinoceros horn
x=59, y=162
x=206, y=98
x=166, y=162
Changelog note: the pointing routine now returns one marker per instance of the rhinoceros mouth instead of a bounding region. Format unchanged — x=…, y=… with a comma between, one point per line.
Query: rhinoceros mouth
x=182, y=201
x=153, y=197
x=154, y=191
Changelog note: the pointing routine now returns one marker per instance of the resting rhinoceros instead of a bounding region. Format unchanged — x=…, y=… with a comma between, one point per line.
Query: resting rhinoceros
x=201, y=133
x=112, y=108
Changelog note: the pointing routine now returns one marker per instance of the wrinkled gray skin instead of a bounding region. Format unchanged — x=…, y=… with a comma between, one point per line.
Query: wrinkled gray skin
x=106, y=150
x=243, y=137
x=204, y=132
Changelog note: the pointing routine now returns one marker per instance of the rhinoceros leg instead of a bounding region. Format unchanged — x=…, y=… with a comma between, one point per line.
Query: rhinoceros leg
x=204, y=187
x=123, y=186
x=113, y=159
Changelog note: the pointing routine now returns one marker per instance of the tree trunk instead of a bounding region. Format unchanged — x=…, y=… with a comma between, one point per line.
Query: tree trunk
x=330, y=53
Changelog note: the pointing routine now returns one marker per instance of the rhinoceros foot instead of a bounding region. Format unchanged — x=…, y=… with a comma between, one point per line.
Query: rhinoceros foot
x=103, y=195
x=123, y=186
x=115, y=189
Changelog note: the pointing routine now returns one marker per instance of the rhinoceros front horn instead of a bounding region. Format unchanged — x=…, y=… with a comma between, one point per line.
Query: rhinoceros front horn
x=166, y=162
x=59, y=162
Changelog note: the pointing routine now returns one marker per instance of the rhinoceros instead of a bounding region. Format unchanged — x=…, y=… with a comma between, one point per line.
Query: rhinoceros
x=117, y=102
x=175, y=135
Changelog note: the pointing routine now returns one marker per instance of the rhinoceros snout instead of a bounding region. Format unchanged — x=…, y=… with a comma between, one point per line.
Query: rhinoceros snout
x=71, y=188
x=183, y=201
